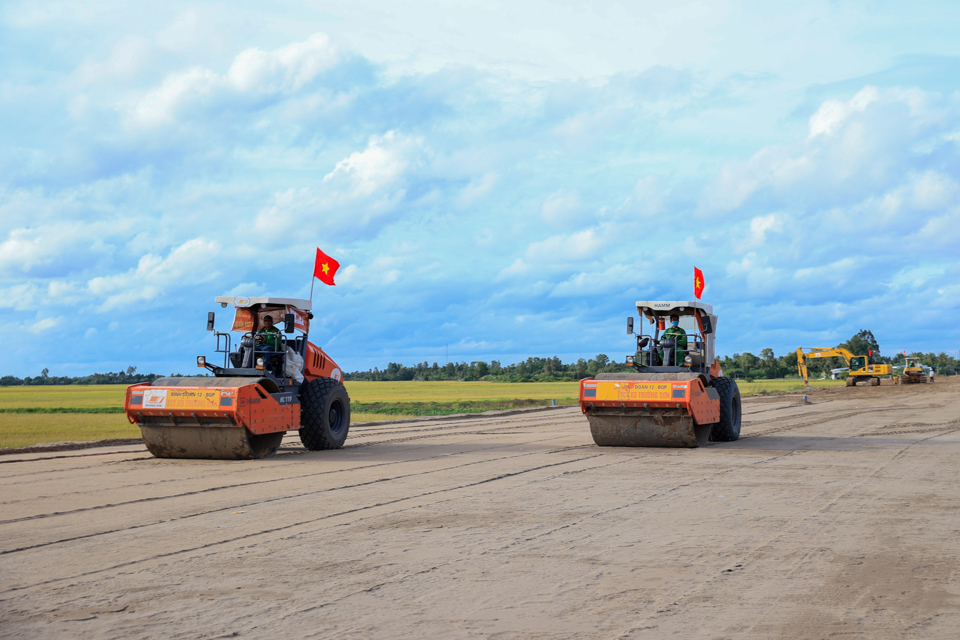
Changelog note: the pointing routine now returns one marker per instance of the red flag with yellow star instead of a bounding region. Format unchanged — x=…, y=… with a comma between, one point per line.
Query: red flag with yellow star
x=324, y=268
x=698, y=283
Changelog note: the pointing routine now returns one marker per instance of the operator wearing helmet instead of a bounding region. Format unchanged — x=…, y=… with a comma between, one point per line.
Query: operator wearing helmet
x=680, y=337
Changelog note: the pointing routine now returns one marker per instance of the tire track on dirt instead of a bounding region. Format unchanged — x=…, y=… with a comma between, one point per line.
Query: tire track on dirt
x=829, y=418
x=229, y=486
x=443, y=426
x=743, y=558
x=247, y=503
x=285, y=527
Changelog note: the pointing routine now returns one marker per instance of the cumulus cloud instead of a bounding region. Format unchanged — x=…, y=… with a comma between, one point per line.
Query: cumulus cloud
x=855, y=148
x=381, y=163
x=192, y=262
x=833, y=113
x=363, y=189
x=254, y=75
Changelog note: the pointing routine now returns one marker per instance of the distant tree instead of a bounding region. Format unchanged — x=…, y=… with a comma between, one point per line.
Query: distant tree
x=44, y=373
x=131, y=371
x=862, y=344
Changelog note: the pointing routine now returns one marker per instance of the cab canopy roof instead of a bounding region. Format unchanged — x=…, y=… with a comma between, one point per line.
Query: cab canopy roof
x=245, y=303
x=651, y=308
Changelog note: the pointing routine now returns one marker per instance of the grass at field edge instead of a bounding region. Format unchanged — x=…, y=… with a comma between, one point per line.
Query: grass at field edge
x=23, y=425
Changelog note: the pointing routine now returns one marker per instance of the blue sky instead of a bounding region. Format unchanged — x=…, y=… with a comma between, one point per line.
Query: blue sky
x=503, y=178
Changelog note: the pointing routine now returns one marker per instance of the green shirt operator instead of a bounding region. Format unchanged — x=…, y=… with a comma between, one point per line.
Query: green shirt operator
x=269, y=336
x=680, y=337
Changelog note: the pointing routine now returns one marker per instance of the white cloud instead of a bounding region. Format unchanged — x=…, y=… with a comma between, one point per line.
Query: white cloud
x=364, y=188
x=286, y=69
x=253, y=74
x=833, y=113
x=759, y=227
x=583, y=245
x=28, y=248
x=476, y=190
x=194, y=261
x=934, y=191
x=38, y=326
x=562, y=208
x=381, y=163
x=43, y=325
x=615, y=279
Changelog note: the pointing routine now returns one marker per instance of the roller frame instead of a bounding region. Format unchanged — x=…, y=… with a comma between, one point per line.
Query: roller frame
x=216, y=418
x=650, y=410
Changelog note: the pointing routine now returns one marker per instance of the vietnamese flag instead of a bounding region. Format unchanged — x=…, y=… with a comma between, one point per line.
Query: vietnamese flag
x=324, y=268
x=698, y=283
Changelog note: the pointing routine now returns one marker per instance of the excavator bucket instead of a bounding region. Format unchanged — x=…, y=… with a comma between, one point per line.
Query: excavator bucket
x=209, y=417
x=649, y=410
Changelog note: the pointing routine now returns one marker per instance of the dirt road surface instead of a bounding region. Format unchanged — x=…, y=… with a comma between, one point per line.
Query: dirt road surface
x=835, y=519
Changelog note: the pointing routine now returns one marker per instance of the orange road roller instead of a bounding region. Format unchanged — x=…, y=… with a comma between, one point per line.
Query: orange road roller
x=273, y=380
x=676, y=395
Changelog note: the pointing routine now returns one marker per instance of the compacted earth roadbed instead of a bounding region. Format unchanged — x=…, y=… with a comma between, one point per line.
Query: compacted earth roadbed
x=831, y=519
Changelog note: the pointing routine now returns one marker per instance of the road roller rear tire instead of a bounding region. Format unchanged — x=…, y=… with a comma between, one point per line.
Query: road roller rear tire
x=324, y=414
x=728, y=429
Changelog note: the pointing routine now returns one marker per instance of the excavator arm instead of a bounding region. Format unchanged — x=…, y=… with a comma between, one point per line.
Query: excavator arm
x=819, y=352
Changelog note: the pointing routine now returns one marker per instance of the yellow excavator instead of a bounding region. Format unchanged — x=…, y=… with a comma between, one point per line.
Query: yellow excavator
x=860, y=368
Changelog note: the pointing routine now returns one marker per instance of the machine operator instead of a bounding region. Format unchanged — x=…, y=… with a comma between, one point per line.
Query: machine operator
x=268, y=338
x=675, y=332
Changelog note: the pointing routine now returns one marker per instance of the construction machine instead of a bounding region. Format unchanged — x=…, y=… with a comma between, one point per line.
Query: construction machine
x=676, y=395
x=269, y=384
x=914, y=372
x=860, y=369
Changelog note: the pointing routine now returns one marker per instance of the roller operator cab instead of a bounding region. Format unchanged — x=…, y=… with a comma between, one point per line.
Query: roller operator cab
x=263, y=385
x=676, y=395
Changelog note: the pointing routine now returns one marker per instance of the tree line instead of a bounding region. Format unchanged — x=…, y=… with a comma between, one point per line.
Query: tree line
x=130, y=376
x=741, y=365
x=530, y=370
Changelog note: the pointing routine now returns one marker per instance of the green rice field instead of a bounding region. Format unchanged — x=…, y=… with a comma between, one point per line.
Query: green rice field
x=32, y=415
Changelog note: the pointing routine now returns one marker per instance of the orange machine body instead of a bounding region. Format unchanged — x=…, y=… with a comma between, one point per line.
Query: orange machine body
x=317, y=364
x=233, y=402
x=689, y=396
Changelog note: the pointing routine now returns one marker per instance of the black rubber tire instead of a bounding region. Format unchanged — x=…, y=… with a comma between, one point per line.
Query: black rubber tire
x=728, y=429
x=324, y=414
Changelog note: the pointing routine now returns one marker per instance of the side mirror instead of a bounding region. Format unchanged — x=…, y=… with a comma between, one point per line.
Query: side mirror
x=630, y=326
x=706, y=327
x=210, y=321
x=288, y=323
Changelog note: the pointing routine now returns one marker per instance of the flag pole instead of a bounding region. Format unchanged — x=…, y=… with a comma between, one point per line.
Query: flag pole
x=313, y=276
